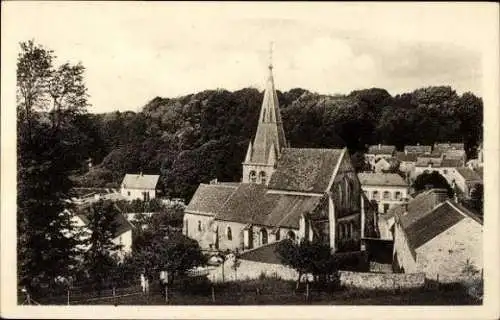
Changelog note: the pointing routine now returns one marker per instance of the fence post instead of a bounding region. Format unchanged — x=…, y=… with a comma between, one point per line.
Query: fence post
x=213, y=294
x=68, y=296
x=437, y=280
x=114, y=296
x=307, y=291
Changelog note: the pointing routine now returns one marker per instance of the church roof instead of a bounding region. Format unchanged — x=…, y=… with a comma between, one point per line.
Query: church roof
x=209, y=198
x=140, y=181
x=251, y=203
x=305, y=170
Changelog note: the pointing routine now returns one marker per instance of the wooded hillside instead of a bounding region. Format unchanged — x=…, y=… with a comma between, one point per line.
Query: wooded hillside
x=198, y=137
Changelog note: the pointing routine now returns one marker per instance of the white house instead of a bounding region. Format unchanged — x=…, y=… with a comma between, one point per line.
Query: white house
x=122, y=236
x=387, y=189
x=465, y=180
x=439, y=237
x=429, y=164
x=377, y=152
x=139, y=186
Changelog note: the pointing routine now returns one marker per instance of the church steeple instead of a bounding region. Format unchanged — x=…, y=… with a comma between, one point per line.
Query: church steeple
x=269, y=137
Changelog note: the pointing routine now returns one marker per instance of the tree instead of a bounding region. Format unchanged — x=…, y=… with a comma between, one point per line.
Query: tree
x=99, y=259
x=172, y=252
x=47, y=151
x=432, y=180
x=307, y=257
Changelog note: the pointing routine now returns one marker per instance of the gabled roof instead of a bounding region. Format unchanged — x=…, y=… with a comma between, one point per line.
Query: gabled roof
x=121, y=222
x=468, y=174
x=140, y=181
x=381, y=179
x=381, y=149
x=251, y=203
x=418, y=149
x=451, y=163
x=305, y=170
x=406, y=157
x=431, y=224
x=209, y=198
x=448, y=146
x=420, y=205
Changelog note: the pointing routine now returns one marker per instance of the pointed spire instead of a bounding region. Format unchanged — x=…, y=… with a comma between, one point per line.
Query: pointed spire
x=248, y=157
x=270, y=128
x=271, y=159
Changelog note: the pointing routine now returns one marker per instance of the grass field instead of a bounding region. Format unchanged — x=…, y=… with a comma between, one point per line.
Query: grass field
x=277, y=292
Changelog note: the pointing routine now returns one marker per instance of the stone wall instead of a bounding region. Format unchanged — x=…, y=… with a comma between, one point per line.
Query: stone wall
x=366, y=280
x=252, y=270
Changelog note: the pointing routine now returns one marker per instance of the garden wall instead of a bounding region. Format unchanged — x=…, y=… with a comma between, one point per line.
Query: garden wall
x=365, y=280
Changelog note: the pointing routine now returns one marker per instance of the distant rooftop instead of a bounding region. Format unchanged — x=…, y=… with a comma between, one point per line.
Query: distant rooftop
x=381, y=179
x=381, y=149
x=140, y=181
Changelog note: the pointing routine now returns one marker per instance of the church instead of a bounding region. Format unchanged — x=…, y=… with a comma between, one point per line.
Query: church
x=285, y=192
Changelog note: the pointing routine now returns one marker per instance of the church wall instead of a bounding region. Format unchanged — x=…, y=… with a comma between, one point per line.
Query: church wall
x=205, y=237
x=346, y=189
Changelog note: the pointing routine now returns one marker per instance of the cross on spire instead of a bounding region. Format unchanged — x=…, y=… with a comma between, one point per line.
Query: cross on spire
x=271, y=55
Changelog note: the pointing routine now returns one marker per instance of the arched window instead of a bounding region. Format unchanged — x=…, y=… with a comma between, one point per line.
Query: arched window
x=351, y=230
x=387, y=195
x=262, y=176
x=253, y=176
x=263, y=236
x=340, y=230
x=229, y=234
x=397, y=195
x=264, y=116
x=290, y=235
x=375, y=195
x=347, y=192
x=277, y=235
x=339, y=190
x=199, y=225
x=346, y=231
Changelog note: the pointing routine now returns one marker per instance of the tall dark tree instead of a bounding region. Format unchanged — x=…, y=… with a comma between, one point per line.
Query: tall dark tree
x=100, y=260
x=432, y=180
x=48, y=101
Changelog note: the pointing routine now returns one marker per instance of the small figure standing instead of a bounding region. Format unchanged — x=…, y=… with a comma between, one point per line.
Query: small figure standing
x=144, y=284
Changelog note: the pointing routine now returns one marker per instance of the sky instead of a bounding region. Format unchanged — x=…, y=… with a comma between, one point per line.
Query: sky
x=135, y=51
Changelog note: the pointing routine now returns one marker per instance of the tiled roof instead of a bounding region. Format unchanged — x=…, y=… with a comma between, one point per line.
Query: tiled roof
x=251, y=203
x=121, y=222
x=451, y=163
x=140, y=181
x=468, y=174
x=431, y=224
x=306, y=170
x=209, y=198
x=381, y=179
x=448, y=146
x=381, y=149
x=266, y=253
x=454, y=154
x=418, y=149
x=424, y=161
x=409, y=157
x=420, y=205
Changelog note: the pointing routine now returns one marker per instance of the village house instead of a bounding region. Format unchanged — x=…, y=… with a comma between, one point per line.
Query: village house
x=434, y=163
x=437, y=236
x=284, y=193
x=386, y=165
x=477, y=162
x=466, y=179
x=407, y=162
x=451, y=151
x=376, y=152
x=386, y=189
x=139, y=186
x=122, y=235
x=417, y=149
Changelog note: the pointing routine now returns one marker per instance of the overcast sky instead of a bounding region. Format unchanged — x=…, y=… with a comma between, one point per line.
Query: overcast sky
x=134, y=51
